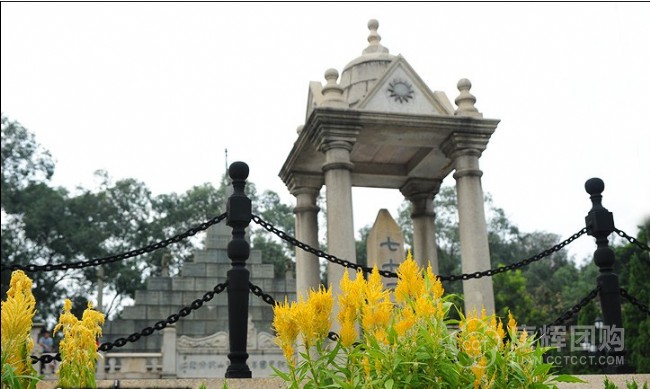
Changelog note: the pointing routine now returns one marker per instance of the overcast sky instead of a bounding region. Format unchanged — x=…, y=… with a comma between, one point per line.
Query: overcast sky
x=157, y=91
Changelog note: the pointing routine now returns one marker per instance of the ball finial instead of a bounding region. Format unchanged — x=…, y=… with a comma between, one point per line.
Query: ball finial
x=594, y=186
x=331, y=75
x=465, y=100
x=238, y=170
x=464, y=84
x=373, y=24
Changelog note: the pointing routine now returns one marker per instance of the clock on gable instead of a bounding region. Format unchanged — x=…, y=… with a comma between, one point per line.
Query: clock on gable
x=400, y=90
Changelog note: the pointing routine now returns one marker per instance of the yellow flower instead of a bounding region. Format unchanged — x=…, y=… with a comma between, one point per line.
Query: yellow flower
x=366, y=366
x=472, y=346
x=405, y=322
x=17, y=314
x=410, y=282
x=79, y=346
x=377, y=309
x=424, y=307
x=512, y=323
x=305, y=317
x=471, y=323
x=286, y=328
x=321, y=303
x=497, y=329
x=478, y=369
x=433, y=284
x=523, y=336
x=348, y=333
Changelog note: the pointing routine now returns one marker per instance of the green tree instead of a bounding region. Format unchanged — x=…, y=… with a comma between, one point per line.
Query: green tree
x=47, y=225
x=633, y=267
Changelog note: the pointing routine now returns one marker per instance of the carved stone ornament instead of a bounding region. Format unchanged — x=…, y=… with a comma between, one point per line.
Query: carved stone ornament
x=400, y=90
x=214, y=342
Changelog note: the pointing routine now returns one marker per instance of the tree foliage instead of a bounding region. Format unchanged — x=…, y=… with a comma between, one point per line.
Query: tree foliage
x=43, y=224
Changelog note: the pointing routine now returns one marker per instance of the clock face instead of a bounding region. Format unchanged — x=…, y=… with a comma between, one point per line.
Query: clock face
x=400, y=90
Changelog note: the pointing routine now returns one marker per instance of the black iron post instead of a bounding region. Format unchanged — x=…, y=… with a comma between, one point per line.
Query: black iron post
x=600, y=224
x=238, y=217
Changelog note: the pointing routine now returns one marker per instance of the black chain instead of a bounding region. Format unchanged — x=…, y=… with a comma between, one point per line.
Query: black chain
x=388, y=274
x=114, y=258
x=257, y=291
x=631, y=239
x=267, y=298
x=515, y=266
x=575, y=309
x=46, y=358
x=134, y=337
x=642, y=307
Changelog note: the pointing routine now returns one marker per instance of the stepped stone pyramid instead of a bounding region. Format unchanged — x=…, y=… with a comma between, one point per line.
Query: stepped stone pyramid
x=164, y=296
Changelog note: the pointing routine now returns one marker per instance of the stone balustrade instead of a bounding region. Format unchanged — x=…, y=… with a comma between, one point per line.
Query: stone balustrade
x=130, y=366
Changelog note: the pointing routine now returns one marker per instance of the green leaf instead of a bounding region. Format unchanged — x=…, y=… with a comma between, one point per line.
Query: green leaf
x=281, y=374
x=568, y=378
x=389, y=384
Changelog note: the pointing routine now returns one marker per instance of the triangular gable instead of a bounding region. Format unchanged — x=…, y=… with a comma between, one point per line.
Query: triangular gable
x=401, y=90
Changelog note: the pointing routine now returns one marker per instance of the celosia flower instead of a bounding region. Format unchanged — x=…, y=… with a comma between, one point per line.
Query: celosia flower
x=523, y=336
x=478, y=369
x=79, y=346
x=406, y=321
x=351, y=298
x=305, y=317
x=425, y=307
x=348, y=332
x=433, y=283
x=17, y=314
x=321, y=303
x=472, y=346
x=512, y=324
x=377, y=309
x=410, y=281
x=286, y=328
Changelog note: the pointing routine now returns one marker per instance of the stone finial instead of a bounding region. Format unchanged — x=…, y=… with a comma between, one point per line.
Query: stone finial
x=465, y=100
x=332, y=91
x=300, y=128
x=374, y=39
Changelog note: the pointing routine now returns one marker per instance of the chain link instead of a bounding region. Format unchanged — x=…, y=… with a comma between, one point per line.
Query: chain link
x=642, y=307
x=160, y=325
x=388, y=274
x=257, y=291
x=631, y=239
x=114, y=258
x=575, y=309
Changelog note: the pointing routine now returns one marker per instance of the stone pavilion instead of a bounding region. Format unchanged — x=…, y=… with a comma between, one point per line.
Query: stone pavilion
x=377, y=124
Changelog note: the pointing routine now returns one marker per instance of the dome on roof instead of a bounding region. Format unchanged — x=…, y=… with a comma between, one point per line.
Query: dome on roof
x=360, y=75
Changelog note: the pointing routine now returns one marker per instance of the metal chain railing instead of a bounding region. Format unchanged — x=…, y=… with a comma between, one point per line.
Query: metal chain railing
x=388, y=274
x=642, y=307
x=576, y=308
x=160, y=325
x=267, y=298
x=514, y=266
x=631, y=239
x=541, y=332
x=114, y=258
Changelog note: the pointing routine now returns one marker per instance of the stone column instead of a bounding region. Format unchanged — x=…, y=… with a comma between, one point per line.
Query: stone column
x=305, y=189
x=169, y=352
x=340, y=222
x=421, y=193
x=465, y=149
x=336, y=139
